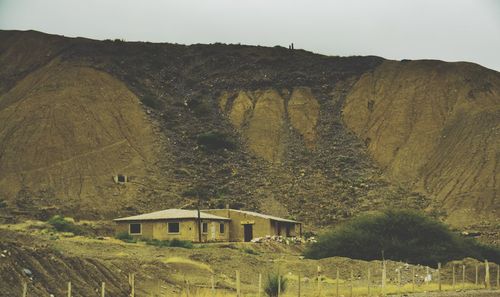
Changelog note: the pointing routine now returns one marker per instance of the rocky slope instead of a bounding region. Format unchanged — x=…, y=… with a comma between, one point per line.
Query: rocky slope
x=285, y=131
x=436, y=127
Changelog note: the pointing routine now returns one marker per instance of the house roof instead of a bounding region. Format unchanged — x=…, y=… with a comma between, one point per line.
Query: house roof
x=269, y=217
x=172, y=214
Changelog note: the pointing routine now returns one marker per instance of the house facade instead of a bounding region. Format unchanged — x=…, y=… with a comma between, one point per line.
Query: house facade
x=217, y=225
x=175, y=224
x=247, y=225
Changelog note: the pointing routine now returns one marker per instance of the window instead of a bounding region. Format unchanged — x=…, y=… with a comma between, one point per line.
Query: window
x=135, y=229
x=173, y=227
x=204, y=227
x=222, y=228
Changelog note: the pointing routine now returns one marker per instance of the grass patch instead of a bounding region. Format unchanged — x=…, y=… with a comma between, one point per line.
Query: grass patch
x=250, y=251
x=152, y=102
x=215, y=140
x=124, y=236
x=181, y=243
x=170, y=243
x=60, y=224
x=185, y=261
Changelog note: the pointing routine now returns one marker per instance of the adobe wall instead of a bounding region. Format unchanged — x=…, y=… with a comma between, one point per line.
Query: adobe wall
x=261, y=226
x=187, y=230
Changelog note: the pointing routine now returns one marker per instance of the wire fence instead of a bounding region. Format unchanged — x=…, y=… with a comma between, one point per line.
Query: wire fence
x=375, y=280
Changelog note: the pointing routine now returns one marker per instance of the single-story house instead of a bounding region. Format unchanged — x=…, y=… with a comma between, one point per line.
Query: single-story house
x=216, y=225
x=175, y=223
x=246, y=225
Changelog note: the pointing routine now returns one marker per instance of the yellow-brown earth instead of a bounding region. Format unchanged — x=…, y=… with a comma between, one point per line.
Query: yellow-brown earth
x=315, y=138
x=53, y=259
x=67, y=131
x=436, y=127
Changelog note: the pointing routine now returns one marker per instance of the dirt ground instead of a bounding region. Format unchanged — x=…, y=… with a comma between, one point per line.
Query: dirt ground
x=53, y=259
x=478, y=293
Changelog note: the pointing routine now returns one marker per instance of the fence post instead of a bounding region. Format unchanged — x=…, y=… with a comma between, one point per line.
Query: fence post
x=103, y=289
x=260, y=283
x=498, y=276
x=319, y=280
x=477, y=275
x=69, y=289
x=439, y=276
x=427, y=273
x=338, y=275
x=486, y=274
x=383, y=277
x=351, y=280
x=238, y=292
x=369, y=281
x=131, y=281
x=413, y=278
x=188, y=293
x=25, y=289
x=399, y=280
x=453, y=278
x=213, y=285
x=279, y=284
x=463, y=277
x=298, y=285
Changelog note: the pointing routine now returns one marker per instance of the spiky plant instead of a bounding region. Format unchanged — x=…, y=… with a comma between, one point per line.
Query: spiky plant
x=274, y=280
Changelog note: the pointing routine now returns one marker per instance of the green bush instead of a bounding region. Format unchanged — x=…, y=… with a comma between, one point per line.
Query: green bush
x=271, y=286
x=250, y=251
x=124, y=236
x=398, y=235
x=170, y=243
x=159, y=243
x=214, y=140
x=181, y=243
x=152, y=102
x=62, y=225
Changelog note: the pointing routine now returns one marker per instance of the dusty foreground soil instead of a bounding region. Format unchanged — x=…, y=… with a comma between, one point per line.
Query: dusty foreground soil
x=32, y=253
x=480, y=293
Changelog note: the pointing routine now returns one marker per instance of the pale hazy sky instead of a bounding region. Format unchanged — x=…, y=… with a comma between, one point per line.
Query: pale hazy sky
x=450, y=30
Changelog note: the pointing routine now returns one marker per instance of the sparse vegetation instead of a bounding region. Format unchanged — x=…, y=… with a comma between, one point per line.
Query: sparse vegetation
x=150, y=101
x=201, y=191
x=124, y=236
x=273, y=281
x=250, y=251
x=181, y=243
x=200, y=107
x=398, y=235
x=170, y=243
x=215, y=140
x=61, y=224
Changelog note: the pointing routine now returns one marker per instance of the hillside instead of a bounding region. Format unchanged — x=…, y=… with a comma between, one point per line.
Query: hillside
x=436, y=127
x=284, y=131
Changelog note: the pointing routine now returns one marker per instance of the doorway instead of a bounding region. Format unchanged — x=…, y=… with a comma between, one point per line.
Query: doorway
x=248, y=232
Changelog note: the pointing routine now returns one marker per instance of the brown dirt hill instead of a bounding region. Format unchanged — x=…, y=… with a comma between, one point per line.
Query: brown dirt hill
x=436, y=127
x=275, y=116
x=66, y=132
x=23, y=53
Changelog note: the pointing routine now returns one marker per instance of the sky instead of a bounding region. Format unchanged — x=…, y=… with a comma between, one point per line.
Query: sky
x=450, y=30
